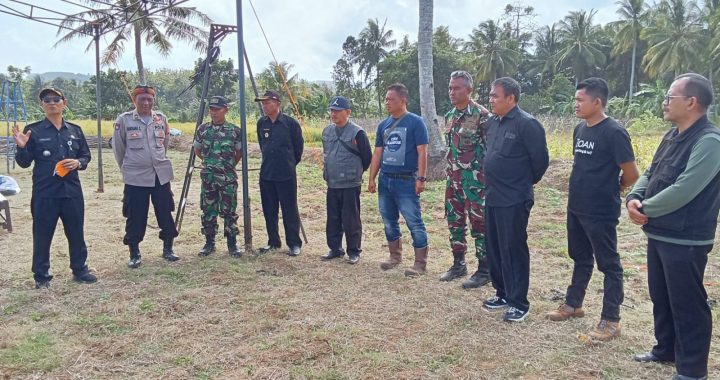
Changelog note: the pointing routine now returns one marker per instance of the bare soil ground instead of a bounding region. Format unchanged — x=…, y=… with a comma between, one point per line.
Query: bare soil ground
x=273, y=316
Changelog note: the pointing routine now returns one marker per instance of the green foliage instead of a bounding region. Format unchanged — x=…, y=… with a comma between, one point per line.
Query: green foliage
x=647, y=123
x=36, y=352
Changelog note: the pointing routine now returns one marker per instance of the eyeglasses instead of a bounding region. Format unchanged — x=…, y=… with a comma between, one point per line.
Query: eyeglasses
x=668, y=97
x=52, y=99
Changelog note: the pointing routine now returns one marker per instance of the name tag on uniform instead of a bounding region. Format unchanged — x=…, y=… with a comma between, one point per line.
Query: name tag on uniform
x=45, y=139
x=132, y=128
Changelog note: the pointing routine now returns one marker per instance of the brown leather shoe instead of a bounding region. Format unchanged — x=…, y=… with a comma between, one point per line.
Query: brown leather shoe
x=605, y=331
x=565, y=312
x=420, y=263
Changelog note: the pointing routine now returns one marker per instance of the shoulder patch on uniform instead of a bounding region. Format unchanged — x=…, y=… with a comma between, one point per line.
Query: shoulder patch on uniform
x=117, y=126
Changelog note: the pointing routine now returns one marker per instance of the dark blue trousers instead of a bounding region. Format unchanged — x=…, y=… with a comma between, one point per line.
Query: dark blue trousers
x=45, y=213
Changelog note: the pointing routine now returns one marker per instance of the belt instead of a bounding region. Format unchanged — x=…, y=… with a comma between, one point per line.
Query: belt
x=400, y=175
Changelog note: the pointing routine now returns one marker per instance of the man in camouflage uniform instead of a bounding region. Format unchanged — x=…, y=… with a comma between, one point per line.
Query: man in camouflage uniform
x=465, y=192
x=218, y=144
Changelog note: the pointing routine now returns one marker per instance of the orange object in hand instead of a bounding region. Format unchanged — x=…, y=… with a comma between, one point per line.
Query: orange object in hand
x=61, y=170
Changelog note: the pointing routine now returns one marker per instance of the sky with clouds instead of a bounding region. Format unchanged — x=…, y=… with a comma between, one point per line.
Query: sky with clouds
x=307, y=33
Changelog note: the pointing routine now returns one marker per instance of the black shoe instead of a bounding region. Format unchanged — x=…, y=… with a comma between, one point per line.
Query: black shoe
x=353, y=259
x=234, y=251
x=514, y=314
x=495, y=303
x=477, y=280
x=207, y=249
x=332, y=255
x=169, y=255
x=134, y=262
x=455, y=271
x=268, y=249
x=294, y=251
x=42, y=284
x=85, y=277
x=649, y=357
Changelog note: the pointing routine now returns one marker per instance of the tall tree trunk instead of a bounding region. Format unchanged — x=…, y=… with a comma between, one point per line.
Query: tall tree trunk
x=138, y=54
x=436, y=148
x=632, y=70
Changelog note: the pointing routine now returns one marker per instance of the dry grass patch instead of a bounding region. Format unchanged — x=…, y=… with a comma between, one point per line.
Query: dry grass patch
x=272, y=316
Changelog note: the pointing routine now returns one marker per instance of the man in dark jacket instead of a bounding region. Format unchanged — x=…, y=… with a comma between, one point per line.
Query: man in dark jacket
x=677, y=201
x=281, y=143
x=515, y=160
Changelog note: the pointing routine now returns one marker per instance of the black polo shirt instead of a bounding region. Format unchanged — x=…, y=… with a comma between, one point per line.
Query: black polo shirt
x=47, y=146
x=281, y=143
x=516, y=158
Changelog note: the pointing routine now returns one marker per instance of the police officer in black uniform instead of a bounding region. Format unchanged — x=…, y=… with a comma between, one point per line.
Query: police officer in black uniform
x=59, y=150
x=281, y=144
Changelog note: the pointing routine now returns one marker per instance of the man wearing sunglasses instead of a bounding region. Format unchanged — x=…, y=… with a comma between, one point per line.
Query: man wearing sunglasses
x=59, y=150
x=676, y=201
x=140, y=142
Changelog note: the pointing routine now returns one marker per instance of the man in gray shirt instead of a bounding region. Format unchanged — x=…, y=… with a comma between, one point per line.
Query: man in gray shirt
x=140, y=142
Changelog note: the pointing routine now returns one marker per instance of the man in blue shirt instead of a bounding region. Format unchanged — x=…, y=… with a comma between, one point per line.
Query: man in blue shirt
x=401, y=157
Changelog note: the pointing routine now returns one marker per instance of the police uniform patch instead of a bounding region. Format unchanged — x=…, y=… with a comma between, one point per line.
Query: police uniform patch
x=117, y=126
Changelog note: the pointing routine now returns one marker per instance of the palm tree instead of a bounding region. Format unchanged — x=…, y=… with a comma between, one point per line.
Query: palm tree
x=633, y=14
x=372, y=45
x=547, y=45
x=155, y=30
x=427, y=91
x=493, y=52
x=674, y=37
x=580, y=48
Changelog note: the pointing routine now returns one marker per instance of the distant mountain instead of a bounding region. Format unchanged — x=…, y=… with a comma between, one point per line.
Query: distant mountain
x=46, y=77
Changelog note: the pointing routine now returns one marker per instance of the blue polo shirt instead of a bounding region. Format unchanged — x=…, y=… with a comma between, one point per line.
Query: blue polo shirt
x=400, y=149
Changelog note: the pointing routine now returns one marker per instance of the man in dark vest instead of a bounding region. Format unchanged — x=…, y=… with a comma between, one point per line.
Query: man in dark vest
x=676, y=201
x=346, y=152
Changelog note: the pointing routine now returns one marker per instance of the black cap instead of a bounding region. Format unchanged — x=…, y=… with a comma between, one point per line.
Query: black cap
x=340, y=103
x=269, y=95
x=47, y=90
x=218, y=102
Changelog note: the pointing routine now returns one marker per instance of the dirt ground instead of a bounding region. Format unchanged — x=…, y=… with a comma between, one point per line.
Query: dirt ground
x=273, y=316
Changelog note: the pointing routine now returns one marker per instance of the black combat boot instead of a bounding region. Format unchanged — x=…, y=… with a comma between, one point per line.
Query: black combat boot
x=233, y=249
x=209, y=246
x=458, y=269
x=481, y=277
x=168, y=253
x=134, y=255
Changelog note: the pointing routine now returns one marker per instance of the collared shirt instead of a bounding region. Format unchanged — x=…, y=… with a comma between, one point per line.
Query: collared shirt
x=281, y=143
x=516, y=158
x=465, y=132
x=218, y=145
x=48, y=146
x=141, y=149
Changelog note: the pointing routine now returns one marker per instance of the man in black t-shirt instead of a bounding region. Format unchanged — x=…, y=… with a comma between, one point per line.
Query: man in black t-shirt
x=601, y=150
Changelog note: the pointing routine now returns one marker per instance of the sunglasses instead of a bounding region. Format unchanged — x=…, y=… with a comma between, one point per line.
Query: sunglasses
x=52, y=99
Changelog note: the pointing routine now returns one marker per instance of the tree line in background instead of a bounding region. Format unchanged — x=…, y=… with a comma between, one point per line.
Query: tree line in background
x=638, y=54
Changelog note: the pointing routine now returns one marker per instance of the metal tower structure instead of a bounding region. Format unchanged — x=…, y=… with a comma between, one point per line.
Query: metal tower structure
x=12, y=110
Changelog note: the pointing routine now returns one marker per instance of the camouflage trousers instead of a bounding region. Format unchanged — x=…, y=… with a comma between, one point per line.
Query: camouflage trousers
x=218, y=197
x=465, y=199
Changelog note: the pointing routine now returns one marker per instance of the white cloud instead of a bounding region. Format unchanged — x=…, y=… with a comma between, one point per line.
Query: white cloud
x=308, y=34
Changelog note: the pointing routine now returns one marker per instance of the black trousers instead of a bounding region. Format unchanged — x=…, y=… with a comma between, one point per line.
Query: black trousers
x=508, y=252
x=343, y=216
x=683, y=322
x=590, y=240
x=136, y=203
x=275, y=195
x=45, y=213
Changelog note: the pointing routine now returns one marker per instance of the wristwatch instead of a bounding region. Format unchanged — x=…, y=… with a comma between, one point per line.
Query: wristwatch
x=422, y=179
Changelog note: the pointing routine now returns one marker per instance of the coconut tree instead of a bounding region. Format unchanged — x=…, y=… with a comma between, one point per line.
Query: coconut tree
x=633, y=14
x=493, y=52
x=580, y=48
x=675, y=38
x=547, y=45
x=372, y=47
x=155, y=30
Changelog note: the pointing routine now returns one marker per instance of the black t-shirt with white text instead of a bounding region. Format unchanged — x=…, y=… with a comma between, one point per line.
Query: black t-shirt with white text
x=598, y=152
